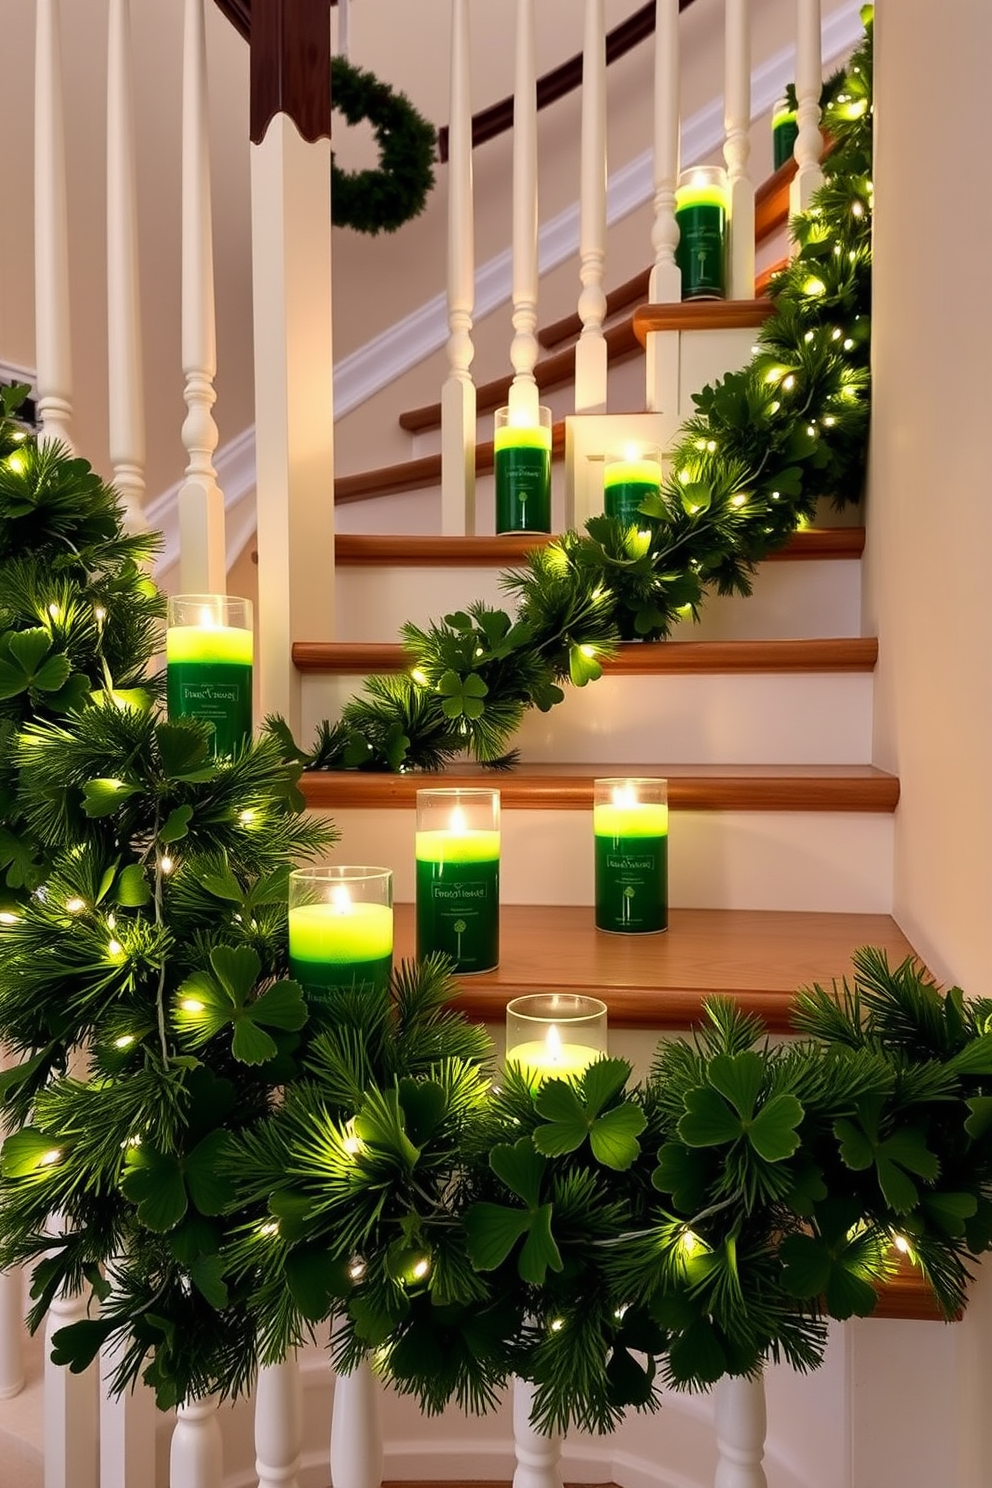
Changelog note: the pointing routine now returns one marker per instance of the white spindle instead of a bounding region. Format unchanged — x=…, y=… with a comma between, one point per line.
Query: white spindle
x=665, y=287
x=51, y=233
x=356, y=1431
x=202, y=553
x=739, y=1417
x=458, y=402
x=127, y=1431
x=737, y=148
x=196, y=1456
x=809, y=74
x=538, y=1456
x=523, y=350
x=590, y=352
x=71, y=1410
x=343, y=28
x=126, y=383
x=278, y=1425
x=11, y=1332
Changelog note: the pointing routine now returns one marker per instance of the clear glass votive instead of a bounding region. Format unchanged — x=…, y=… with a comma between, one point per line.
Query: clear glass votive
x=554, y=1035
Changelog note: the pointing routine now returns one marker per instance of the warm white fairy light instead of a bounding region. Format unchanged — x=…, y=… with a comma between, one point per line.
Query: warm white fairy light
x=419, y=676
x=75, y=905
x=357, y=1269
x=114, y=948
x=6, y=918
x=191, y=1005
x=166, y=864
x=124, y=1042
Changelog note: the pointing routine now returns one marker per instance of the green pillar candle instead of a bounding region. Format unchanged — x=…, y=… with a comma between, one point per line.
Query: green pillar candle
x=631, y=845
x=340, y=944
x=209, y=672
x=458, y=897
x=701, y=216
x=785, y=128
x=626, y=483
x=522, y=461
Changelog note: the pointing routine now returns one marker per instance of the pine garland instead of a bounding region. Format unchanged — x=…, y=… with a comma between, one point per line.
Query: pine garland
x=764, y=446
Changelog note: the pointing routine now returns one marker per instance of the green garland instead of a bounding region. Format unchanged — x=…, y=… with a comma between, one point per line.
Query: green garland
x=374, y=201
x=765, y=445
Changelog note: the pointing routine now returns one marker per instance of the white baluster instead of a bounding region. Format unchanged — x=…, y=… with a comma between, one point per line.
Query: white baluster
x=202, y=553
x=343, y=28
x=524, y=348
x=538, y=1456
x=127, y=1431
x=809, y=73
x=662, y=360
x=590, y=352
x=739, y=1418
x=737, y=148
x=51, y=234
x=356, y=1431
x=196, y=1456
x=126, y=382
x=278, y=1424
x=458, y=402
x=71, y=1409
x=11, y=1332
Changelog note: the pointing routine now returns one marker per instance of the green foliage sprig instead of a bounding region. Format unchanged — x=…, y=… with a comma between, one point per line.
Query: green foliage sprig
x=381, y=200
x=764, y=446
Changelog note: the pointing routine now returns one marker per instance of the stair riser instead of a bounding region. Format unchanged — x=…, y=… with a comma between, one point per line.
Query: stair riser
x=757, y=718
x=818, y=598
x=833, y=861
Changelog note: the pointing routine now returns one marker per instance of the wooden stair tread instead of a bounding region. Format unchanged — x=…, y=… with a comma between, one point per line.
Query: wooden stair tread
x=405, y=551
x=550, y=371
x=569, y=787
x=845, y=654
x=414, y=475
x=701, y=315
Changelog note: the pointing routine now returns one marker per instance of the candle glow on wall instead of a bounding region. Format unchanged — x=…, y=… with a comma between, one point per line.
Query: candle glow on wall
x=340, y=927
x=554, y=1035
x=630, y=832
x=209, y=651
x=457, y=849
x=522, y=465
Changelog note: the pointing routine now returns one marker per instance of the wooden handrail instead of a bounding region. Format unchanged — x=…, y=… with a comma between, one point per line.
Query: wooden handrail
x=561, y=80
x=238, y=12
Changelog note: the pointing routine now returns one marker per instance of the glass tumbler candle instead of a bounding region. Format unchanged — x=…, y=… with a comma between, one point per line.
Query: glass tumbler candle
x=554, y=1035
x=208, y=652
x=701, y=215
x=628, y=479
x=340, y=927
x=630, y=828
x=458, y=876
x=785, y=127
x=522, y=463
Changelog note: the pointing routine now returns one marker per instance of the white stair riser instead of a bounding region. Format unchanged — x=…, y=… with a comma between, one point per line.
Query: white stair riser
x=712, y=718
x=805, y=860
x=790, y=600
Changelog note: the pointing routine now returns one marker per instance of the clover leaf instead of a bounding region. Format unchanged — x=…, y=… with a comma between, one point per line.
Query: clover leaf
x=837, y=1263
x=574, y=1113
x=164, y=1184
x=894, y=1157
x=492, y=1230
x=724, y=1110
x=462, y=695
x=209, y=1001
x=26, y=665
x=583, y=666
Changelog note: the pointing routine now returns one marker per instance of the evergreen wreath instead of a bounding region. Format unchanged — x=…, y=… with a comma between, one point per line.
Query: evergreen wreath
x=374, y=201
x=764, y=446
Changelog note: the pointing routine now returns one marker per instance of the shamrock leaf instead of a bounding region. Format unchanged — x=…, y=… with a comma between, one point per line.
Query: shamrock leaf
x=696, y=497
x=382, y=1123
x=78, y=1344
x=176, y=825
x=71, y=696
x=575, y=1113
x=208, y=1002
x=28, y=1153
x=839, y=1263
x=894, y=1157
x=132, y=889
x=462, y=695
x=184, y=750
x=492, y=1230
x=163, y=1185
x=684, y=1173
x=583, y=666
x=104, y=795
x=25, y=663
x=724, y=1110
x=315, y=1280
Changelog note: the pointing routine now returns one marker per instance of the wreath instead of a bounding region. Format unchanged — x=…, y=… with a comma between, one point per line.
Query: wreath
x=763, y=447
x=373, y=201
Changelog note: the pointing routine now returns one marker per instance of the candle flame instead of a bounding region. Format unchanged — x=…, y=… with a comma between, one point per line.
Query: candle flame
x=624, y=797
x=552, y=1044
x=457, y=822
x=341, y=899
x=632, y=452
x=207, y=618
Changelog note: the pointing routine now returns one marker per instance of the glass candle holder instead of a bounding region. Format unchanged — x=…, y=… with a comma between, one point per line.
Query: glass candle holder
x=554, y=1035
x=701, y=216
x=458, y=876
x=785, y=127
x=629, y=478
x=340, y=927
x=208, y=651
x=630, y=829
x=522, y=464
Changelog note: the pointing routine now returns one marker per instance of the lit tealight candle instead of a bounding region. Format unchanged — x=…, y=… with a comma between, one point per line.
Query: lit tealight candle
x=457, y=851
x=628, y=479
x=340, y=927
x=630, y=829
x=522, y=467
x=208, y=651
x=553, y=1035
x=701, y=215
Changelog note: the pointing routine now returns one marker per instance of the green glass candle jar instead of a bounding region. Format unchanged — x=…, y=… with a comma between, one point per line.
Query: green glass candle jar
x=340, y=928
x=628, y=479
x=522, y=466
x=630, y=830
x=701, y=215
x=457, y=848
x=209, y=651
x=785, y=128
